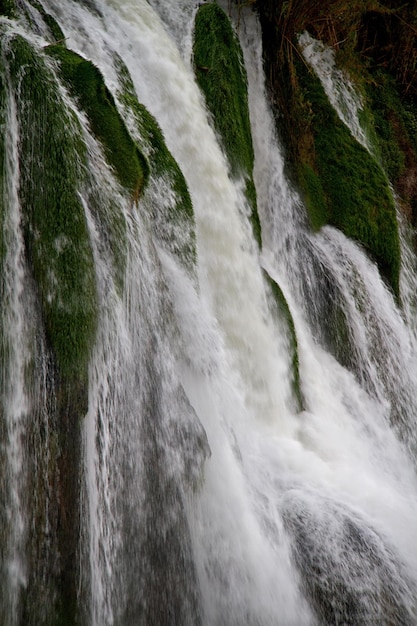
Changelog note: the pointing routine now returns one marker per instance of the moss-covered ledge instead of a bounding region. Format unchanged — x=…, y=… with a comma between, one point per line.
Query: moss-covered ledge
x=3, y=121
x=284, y=312
x=53, y=166
x=8, y=8
x=335, y=175
x=345, y=186
x=395, y=122
x=86, y=83
x=220, y=73
x=55, y=31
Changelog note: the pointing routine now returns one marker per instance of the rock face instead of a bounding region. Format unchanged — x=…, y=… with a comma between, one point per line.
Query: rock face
x=377, y=47
x=87, y=85
x=363, y=598
x=221, y=75
x=58, y=251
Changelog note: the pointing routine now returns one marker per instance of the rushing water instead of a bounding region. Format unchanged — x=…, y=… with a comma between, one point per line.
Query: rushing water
x=206, y=497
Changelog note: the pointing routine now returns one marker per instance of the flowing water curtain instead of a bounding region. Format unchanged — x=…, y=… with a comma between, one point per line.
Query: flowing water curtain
x=133, y=562
x=15, y=344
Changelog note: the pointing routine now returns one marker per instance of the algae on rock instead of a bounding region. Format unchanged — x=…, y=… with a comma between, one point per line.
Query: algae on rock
x=52, y=159
x=86, y=83
x=52, y=25
x=221, y=75
x=2, y=160
x=284, y=313
x=52, y=168
x=345, y=186
x=395, y=122
x=8, y=8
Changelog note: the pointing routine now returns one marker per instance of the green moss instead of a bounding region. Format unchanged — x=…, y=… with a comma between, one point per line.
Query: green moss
x=87, y=85
x=220, y=73
x=328, y=312
x=284, y=313
x=409, y=116
x=314, y=195
x=250, y=193
x=353, y=191
x=396, y=128
x=219, y=69
x=51, y=22
x=53, y=168
x=176, y=217
x=386, y=108
x=7, y=8
x=52, y=163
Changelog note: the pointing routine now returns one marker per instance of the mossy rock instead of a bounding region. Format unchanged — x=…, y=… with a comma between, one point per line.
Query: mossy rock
x=174, y=221
x=126, y=158
x=328, y=313
x=346, y=187
x=409, y=116
x=86, y=83
x=314, y=195
x=395, y=121
x=386, y=107
x=8, y=8
x=283, y=310
x=52, y=165
x=53, y=26
x=221, y=75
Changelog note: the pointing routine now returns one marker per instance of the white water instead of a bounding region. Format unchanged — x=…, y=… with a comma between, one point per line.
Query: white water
x=277, y=488
x=16, y=346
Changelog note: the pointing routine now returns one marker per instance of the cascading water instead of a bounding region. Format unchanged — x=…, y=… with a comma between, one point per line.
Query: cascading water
x=15, y=400
x=175, y=480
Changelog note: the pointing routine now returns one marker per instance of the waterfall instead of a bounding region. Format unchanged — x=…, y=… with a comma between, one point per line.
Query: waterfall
x=15, y=400
x=156, y=466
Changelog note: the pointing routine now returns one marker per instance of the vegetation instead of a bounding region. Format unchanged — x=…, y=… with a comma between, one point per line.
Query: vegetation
x=285, y=314
x=220, y=73
x=382, y=32
x=348, y=188
x=56, y=232
x=341, y=183
x=7, y=8
x=2, y=169
x=51, y=23
x=87, y=85
x=52, y=163
x=395, y=121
